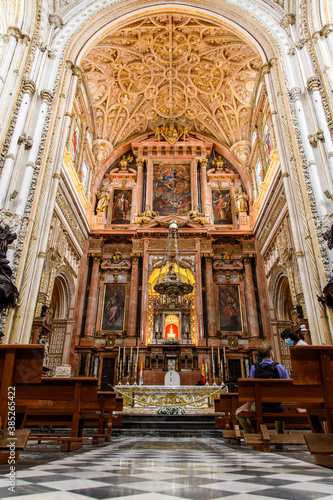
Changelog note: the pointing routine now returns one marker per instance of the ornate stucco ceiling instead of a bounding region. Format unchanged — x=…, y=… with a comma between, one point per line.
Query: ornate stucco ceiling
x=134, y=71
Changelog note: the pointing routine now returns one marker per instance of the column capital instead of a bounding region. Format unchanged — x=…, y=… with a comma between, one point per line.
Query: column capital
x=46, y=96
x=266, y=68
x=140, y=162
x=56, y=20
x=15, y=32
x=96, y=258
x=29, y=87
x=135, y=258
x=203, y=162
x=288, y=20
x=247, y=258
x=208, y=258
x=327, y=30
x=76, y=70
x=313, y=83
x=296, y=93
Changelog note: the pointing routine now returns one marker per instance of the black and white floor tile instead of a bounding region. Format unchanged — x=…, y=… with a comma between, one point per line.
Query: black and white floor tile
x=154, y=469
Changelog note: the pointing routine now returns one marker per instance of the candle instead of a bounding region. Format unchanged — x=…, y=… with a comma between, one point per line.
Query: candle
x=224, y=356
x=118, y=355
x=218, y=356
x=131, y=354
x=124, y=355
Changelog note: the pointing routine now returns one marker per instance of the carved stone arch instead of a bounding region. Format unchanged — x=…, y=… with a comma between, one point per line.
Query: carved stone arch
x=60, y=297
x=281, y=295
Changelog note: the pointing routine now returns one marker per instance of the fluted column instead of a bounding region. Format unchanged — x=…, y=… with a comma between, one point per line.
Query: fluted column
x=210, y=302
x=205, y=194
x=46, y=97
x=93, y=296
x=312, y=164
x=323, y=134
x=250, y=298
x=133, y=301
x=17, y=140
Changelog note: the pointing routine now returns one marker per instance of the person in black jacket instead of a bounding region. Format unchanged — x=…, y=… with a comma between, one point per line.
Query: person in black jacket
x=266, y=369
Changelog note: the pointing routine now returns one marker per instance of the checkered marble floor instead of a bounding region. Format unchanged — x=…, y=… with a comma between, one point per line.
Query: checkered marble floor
x=166, y=469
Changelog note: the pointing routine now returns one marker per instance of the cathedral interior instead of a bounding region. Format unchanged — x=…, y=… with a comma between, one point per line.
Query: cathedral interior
x=166, y=190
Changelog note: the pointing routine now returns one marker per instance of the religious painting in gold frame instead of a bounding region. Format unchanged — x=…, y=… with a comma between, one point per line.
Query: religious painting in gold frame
x=230, y=312
x=171, y=188
x=113, y=316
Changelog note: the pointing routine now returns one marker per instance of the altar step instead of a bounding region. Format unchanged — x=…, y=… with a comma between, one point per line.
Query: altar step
x=167, y=425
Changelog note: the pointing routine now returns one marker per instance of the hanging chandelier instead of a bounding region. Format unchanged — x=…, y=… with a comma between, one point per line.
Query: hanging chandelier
x=171, y=285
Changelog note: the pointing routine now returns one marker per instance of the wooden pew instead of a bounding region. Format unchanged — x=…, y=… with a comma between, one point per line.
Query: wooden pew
x=291, y=397
x=312, y=366
x=107, y=403
x=19, y=364
x=72, y=398
x=227, y=404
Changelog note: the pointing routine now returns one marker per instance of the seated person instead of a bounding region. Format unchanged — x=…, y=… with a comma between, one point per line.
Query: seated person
x=267, y=364
x=291, y=338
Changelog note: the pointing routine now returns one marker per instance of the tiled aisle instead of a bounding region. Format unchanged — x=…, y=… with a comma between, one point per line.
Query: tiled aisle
x=158, y=469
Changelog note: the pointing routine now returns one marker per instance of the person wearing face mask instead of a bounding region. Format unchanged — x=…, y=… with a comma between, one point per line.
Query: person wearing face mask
x=291, y=338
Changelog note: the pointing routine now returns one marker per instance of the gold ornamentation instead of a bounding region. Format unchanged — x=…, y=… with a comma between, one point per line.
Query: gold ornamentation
x=130, y=79
x=145, y=217
x=197, y=217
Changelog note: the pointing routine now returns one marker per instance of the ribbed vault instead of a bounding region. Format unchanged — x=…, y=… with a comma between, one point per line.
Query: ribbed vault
x=148, y=68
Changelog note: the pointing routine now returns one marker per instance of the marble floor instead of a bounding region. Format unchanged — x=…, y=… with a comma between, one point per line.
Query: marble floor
x=166, y=469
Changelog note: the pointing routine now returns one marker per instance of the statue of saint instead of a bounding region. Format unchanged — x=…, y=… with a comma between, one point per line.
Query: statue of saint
x=197, y=217
x=103, y=197
x=145, y=217
x=241, y=200
x=8, y=291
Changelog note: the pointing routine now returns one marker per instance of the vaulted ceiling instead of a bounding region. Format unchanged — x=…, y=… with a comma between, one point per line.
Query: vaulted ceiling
x=172, y=64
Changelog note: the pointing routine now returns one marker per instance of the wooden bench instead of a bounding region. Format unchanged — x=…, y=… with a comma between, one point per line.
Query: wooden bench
x=107, y=403
x=291, y=397
x=19, y=364
x=312, y=366
x=72, y=398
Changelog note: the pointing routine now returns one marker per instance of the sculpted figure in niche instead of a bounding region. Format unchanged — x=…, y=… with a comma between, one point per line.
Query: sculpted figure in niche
x=103, y=200
x=197, y=217
x=125, y=162
x=241, y=200
x=145, y=217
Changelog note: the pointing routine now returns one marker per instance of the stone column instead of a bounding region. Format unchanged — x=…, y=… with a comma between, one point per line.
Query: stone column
x=250, y=298
x=137, y=198
x=133, y=300
x=210, y=302
x=18, y=139
x=144, y=299
x=206, y=201
x=46, y=97
x=312, y=164
x=327, y=32
x=93, y=296
x=198, y=293
x=323, y=134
